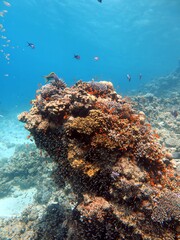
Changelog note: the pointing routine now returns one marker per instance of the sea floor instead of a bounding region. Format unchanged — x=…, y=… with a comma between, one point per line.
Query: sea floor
x=13, y=206
x=25, y=172
x=12, y=134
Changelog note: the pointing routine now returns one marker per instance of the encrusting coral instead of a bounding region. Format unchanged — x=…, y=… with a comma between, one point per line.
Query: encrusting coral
x=112, y=159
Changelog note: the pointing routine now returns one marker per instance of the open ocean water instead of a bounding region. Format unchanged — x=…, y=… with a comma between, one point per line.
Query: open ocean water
x=132, y=43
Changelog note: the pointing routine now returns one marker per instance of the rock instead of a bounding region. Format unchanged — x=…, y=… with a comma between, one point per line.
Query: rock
x=109, y=156
x=171, y=142
x=176, y=155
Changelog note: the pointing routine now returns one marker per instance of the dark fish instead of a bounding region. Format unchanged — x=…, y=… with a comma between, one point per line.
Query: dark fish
x=100, y=1
x=77, y=57
x=174, y=113
x=140, y=76
x=128, y=77
x=31, y=45
x=51, y=76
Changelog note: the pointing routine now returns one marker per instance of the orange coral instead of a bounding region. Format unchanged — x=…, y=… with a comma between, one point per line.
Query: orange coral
x=106, y=149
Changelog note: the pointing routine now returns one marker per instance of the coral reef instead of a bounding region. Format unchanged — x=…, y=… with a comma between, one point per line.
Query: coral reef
x=21, y=172
x=32, y=169
x=164, y=86
x=167, y=207
x=41, y=221
x=160, y=112
x=112, y=159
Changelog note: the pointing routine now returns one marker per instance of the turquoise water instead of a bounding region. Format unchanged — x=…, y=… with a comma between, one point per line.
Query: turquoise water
x=128, y=36
x=116, y=40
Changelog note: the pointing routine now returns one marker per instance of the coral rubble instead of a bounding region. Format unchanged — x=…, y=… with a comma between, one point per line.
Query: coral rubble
x=163, y=113
x=111, y=158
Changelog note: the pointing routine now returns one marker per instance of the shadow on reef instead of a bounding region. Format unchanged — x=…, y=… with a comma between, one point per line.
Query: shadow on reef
x=51, y=224
x=126, y=187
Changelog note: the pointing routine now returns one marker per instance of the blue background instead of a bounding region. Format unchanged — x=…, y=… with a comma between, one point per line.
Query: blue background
x=128, y=36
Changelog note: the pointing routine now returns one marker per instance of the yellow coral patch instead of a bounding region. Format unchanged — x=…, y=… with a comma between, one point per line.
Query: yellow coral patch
x=87, y=168
x=91, y=172
x=77, y=163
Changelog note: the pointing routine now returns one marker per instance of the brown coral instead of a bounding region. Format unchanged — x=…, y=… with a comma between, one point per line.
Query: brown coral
x=110, y=156
x=167, y=207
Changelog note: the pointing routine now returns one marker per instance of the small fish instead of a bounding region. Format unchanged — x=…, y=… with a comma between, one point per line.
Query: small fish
x=29, y=136
x=96, y=58
x=174, y=113
x=100, y=1
x=3, y=37
x=31, y=45
x=128, y=77
x=7, y=4
x=78, y=57
x=1, y=14
x=140, y=76
x=51, y=76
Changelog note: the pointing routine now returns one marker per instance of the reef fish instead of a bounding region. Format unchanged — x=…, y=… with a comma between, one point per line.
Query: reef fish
x=78, y=57
x=128, y=77
x=51, y=76
x=96, y=58
x=31, y=45
x=174, y=113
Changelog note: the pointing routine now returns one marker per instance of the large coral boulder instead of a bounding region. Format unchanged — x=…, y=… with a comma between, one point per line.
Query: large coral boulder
x=112, y=158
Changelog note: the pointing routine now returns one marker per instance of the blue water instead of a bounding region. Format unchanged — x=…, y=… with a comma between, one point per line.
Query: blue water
x=128, y=36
